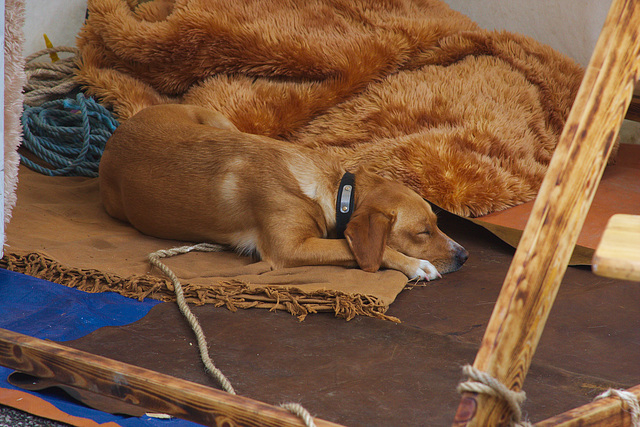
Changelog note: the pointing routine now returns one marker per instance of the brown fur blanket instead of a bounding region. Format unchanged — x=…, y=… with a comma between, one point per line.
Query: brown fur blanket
x=468, y=118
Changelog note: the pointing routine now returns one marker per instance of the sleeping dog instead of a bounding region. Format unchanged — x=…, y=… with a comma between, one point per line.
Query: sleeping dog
x=186, y=173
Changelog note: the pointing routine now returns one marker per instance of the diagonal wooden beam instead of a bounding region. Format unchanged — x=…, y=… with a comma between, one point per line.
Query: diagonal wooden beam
x=559, y=211
x=142, y=387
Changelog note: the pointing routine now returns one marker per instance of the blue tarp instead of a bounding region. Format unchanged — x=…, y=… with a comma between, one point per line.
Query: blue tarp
x=46, y=310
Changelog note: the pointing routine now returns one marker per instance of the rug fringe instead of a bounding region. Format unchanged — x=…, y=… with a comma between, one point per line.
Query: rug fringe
x=231, y=294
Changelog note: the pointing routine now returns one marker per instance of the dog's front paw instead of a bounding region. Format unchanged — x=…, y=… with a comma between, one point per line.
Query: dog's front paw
x=426, y=271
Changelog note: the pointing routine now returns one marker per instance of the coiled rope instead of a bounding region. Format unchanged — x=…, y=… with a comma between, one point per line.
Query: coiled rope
x=154, y=259
x=70, y=135
x=47, y=79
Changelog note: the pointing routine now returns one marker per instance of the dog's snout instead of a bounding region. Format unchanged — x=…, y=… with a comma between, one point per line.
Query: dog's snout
x=462, y=255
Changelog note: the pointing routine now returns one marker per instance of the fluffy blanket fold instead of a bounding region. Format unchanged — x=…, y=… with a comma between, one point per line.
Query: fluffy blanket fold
x=468, y=118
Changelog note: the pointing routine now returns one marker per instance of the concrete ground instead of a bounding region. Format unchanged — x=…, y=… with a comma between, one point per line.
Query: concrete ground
x=10, y=417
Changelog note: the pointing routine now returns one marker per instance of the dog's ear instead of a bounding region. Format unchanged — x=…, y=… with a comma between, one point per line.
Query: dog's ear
x=367, y=233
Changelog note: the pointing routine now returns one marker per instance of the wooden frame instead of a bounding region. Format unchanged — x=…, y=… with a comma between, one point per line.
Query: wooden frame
x=557, y=217
x=520, y=313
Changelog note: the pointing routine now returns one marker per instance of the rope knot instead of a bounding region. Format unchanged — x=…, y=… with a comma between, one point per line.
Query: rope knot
x=483, y=383
x=627, y=398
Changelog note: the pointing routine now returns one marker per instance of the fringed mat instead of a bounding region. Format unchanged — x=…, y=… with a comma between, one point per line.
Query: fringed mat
x=61, y=233
x=468, y=118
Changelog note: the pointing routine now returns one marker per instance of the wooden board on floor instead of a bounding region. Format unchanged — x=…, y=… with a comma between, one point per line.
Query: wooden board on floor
x=618, y=254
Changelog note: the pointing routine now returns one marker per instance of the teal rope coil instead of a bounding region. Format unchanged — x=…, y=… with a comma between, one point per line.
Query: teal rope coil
x=70, y=135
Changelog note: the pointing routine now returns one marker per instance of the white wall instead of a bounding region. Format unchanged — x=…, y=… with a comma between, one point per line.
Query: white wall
x=569, y=26
x=60, y=20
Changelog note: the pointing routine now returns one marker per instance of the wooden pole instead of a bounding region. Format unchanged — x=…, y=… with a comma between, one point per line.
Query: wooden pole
x=559, y=211
x=150, y=390
x=602, y=412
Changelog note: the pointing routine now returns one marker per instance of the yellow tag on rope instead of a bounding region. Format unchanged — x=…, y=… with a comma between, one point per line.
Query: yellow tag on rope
x=54, y=56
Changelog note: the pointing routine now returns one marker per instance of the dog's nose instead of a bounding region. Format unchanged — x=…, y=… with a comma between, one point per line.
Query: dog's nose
x=462, y=256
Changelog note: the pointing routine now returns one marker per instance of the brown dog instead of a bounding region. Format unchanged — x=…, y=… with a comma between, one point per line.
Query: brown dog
x=186, y=173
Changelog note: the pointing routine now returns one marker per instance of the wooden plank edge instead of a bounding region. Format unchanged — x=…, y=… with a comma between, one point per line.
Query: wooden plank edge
x=609, y=412
x=151, y=390
x=633, y=112
x=618, y=253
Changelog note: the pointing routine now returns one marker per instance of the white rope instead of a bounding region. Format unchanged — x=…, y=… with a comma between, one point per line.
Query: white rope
x=627, y=397
x=483, y=383
x=47, y=79
x=299, y=411
x=154, y=259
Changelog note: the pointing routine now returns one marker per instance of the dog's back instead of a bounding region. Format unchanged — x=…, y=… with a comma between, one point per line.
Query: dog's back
x=200, y=163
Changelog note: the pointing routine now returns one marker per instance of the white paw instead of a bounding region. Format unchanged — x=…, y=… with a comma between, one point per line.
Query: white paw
x=426, y=271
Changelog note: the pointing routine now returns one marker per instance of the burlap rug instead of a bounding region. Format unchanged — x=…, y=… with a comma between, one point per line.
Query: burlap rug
x=468, y=118
x=60, y=232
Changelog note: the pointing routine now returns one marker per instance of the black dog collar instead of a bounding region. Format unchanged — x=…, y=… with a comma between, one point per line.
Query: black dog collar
x=344, y=202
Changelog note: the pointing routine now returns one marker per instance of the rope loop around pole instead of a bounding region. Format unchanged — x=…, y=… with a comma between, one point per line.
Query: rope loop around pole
x=629, y=399
x=483, y=383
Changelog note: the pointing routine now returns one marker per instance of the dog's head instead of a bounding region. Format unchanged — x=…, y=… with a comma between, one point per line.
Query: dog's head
x=390, y=214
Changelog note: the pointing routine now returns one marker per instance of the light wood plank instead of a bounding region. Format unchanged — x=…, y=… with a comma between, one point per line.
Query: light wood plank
x=558, y=214
x=618, y=253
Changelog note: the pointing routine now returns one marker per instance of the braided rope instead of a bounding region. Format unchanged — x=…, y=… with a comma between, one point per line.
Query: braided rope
x=483, y=383
x=69, y=135
x=154, y=259
x=299, y=411
x=627, y=397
